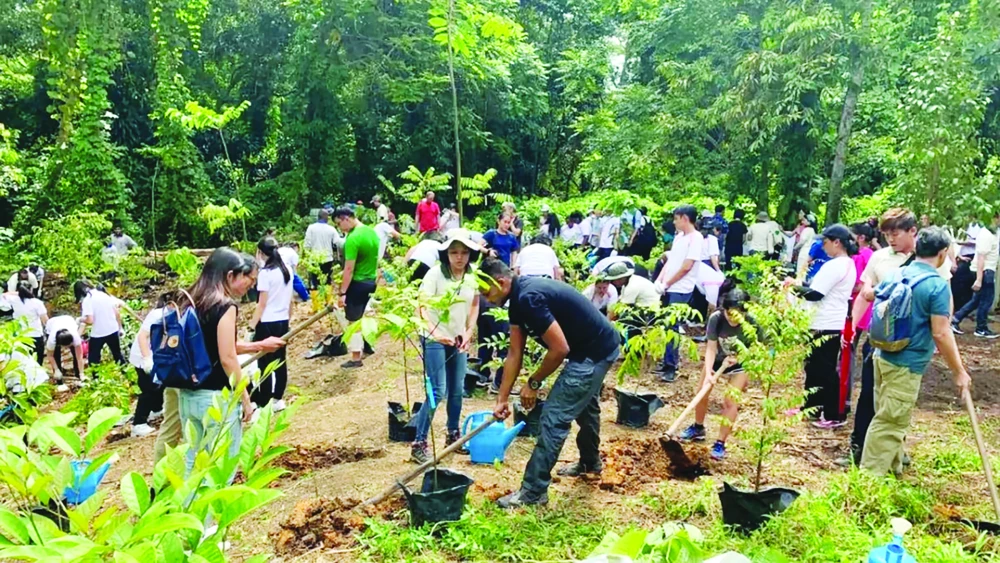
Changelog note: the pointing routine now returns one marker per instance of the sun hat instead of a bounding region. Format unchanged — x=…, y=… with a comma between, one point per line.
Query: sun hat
x=376, y=199
x=546, y=208
x=459, y=235
x=615, y=271
x=763, y=216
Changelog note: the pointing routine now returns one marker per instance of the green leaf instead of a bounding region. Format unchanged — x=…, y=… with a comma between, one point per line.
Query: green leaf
x=65, y=439
x=630, y=545
x=135, y=493
x=99, y=425
x=245, y=505
x=13, y=527
x=163, y=524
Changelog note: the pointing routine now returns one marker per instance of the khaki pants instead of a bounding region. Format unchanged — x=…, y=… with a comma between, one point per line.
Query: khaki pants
x=896, y=391
x=171, y=431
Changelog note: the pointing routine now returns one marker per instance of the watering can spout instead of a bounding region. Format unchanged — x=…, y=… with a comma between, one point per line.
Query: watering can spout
x=511, y=433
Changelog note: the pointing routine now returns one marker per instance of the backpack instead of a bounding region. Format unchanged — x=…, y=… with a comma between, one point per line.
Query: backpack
x=180, y=358
x=891, y=325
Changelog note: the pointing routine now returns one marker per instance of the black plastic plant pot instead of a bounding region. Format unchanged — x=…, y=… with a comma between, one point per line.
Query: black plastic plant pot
x=635, y=410
x=401, y=428
x=532, y=419
x=55, y=512
x=473, y=379
x=441, y=503
x=748, y=511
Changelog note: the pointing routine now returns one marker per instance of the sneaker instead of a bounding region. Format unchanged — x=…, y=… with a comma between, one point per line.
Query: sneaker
x=577, y=469
x=454, y=436
x=420, y=453
x=279, y=405
x=351, y=364
x=718, y=450
x=693, y=433
x=955, y=329
x=668, y=375
x=494, y=389
x=62, y=388
x=140, y=430
x=906, y=459
x=519, y=498
x=987, y=334
x=829, y=424
x=154, y=416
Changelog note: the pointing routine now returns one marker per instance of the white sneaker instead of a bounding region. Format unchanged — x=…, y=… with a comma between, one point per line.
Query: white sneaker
x=140, y=430
x=153, y=416
x=279, y=405
x=123, y=421
x=62, y=388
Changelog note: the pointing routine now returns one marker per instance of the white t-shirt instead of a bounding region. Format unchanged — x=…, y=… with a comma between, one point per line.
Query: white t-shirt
x=13, y=282
x=537, y=260
x=686, y=247
x=426, y=252
x=572, y=234
x=56, y=324
x=279, y=294
x=640, y=291
x=135, y=353
x=986, y=244
x=585, y=229
x=321, y=238
x=435, y=285
x=450, y=220
x=289, y=257
x=382, y=213
x=103, y=309
x=601, y=301
x=710, y=248
x=761, y=237
x=31, y=310
x=384, y=231
x=34, y=374
x=835, y=280
x=608, y=230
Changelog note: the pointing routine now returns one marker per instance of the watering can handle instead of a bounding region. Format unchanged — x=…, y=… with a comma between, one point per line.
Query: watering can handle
x=470, y=417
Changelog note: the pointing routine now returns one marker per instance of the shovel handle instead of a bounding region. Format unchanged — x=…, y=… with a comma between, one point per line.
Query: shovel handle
x=987, y=467
x=706, y=388
x=402, y=481
x=292, y=333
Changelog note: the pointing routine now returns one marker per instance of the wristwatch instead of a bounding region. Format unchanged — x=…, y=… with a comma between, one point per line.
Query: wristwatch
x=534, y=384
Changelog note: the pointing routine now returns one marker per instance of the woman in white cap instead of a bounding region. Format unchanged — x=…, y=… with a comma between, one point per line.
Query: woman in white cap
x=450, y=288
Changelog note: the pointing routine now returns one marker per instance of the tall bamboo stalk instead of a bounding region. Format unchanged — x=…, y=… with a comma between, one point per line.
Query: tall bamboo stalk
x=454, y=110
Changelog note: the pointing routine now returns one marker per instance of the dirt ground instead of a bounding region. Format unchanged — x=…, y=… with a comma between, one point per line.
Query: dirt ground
x=342, y=454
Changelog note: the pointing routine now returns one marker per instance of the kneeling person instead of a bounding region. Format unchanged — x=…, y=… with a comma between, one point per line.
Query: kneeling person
x=571, y=329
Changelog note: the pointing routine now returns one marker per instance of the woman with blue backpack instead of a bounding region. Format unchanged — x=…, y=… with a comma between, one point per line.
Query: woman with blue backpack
x=271, y=318
x=224, y=280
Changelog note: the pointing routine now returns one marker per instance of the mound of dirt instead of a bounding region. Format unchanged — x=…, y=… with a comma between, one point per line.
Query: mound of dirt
x=328, y=523
x=631, y=462
x=305, y=459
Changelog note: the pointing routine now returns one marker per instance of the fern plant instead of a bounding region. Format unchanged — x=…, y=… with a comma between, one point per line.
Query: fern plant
x=475, y=190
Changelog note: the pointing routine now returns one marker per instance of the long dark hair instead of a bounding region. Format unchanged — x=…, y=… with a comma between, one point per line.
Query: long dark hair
x=81, y=288
x=24, y=291
x=268, y=246
x=210, y=289
x=552, y=223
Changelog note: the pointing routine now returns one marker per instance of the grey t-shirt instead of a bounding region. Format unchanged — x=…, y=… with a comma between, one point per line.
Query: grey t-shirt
x=719, y=330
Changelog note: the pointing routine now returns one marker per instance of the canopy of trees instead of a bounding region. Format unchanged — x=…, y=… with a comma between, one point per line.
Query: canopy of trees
x=147, y=111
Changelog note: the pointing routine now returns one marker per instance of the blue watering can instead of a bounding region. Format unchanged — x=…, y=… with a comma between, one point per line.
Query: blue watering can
x=489, y=445
x=82, y=489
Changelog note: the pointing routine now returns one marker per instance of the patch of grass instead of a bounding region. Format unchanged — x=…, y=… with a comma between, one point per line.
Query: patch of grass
x=488, y=533
x=698, y=500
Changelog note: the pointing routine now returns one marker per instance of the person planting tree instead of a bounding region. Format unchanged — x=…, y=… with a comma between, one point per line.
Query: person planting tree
x=447, y=338
x=723, y=327
x=572, y=330
x=898, y=374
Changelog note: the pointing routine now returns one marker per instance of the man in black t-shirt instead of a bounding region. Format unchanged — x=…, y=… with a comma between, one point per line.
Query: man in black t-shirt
x=571, y=329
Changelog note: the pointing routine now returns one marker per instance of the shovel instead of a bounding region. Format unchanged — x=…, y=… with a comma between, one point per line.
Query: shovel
x=680, y=464
x=982, y=526
x=292, y=334
x=400, y=482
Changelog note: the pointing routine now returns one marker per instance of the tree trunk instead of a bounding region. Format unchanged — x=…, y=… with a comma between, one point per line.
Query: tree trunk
x=764, y=195
x=847, y=121
x=454, y=109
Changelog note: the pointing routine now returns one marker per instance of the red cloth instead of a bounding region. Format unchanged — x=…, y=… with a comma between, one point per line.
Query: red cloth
x=846, y=358
x=428, y=215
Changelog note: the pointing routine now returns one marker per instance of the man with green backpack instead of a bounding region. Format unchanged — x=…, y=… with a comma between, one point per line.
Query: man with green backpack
x=911, y=315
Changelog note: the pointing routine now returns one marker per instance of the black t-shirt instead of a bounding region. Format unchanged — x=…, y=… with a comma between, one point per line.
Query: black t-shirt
x=718, y=329
x=536, y=302
x=209, y=320
x=734, y=238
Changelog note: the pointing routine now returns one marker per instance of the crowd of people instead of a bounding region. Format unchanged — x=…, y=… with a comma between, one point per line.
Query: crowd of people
x=839, y=272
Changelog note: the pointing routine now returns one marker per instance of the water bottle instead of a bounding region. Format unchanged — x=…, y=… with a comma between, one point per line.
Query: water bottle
x=893, y=552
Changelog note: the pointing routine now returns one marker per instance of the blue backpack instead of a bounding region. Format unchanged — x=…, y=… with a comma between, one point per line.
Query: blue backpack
x=891, y=327
x=180, y=358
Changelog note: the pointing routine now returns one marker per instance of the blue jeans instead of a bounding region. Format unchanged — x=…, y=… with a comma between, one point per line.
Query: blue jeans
x=980, y=302
x=671, y=357
x=445, y=366
x=574, y=396
x=193, y=405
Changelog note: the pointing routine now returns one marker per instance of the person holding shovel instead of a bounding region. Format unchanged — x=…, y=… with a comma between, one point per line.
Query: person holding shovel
x=574, y=331
x=451, y=288
x=723, y=328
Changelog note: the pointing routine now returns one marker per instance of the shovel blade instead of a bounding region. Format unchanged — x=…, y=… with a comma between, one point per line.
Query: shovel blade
x=983, y=526
x=680, y=464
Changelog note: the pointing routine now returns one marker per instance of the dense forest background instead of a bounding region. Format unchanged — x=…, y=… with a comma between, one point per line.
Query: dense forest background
x=147, y=111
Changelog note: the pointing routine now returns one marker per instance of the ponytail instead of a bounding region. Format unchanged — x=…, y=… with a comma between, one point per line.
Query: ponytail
x=268, y=246
x=24, y=291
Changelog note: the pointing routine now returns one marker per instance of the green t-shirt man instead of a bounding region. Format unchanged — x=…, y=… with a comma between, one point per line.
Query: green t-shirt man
x=362, y=247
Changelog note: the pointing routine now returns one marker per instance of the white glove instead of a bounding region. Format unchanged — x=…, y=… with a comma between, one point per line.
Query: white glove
x=58, y=374
x=147, y=364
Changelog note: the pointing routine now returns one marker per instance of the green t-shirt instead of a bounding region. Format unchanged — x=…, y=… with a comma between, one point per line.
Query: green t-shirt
x=362, y=247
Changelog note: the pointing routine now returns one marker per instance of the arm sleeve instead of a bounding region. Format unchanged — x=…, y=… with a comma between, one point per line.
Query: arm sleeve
x=694, y=249
x=539, y=318
x=87, y=307
x=828, y=276
x=713, y=246
x=351, y=249
x=712, y=328
x=488, y=237
x=940, y=302
x=868, y=275
x=984, y=244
